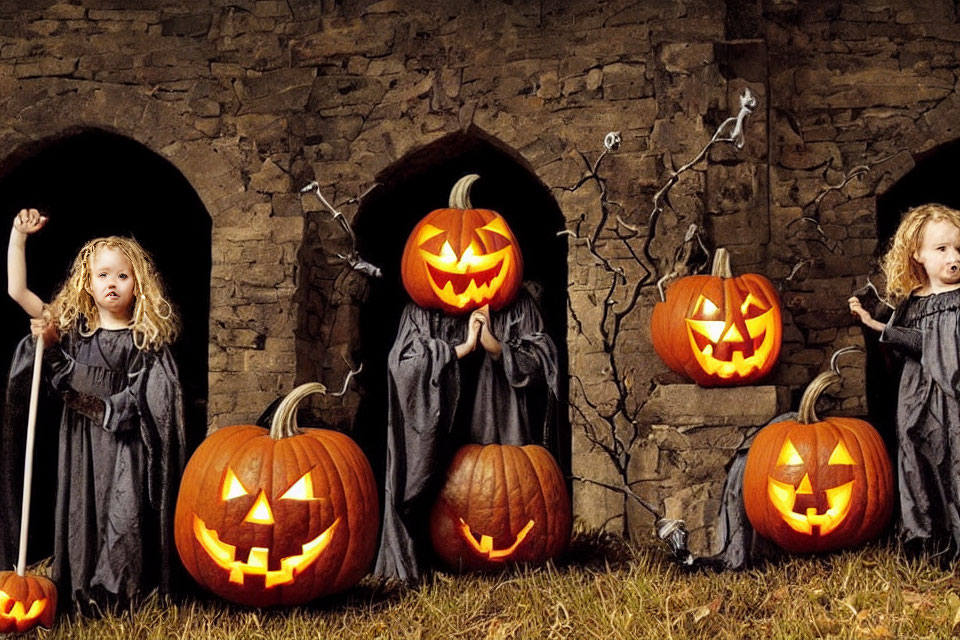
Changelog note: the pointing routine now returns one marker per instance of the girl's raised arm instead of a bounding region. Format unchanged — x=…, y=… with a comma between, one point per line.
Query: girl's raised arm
x=27, y=221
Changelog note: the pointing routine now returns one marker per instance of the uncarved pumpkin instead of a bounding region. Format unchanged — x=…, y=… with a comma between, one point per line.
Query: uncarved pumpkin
x=277, y=517
x=719, y=329
x=818, y=485
x=500, y=504
x=25, y=602
x=460, y=258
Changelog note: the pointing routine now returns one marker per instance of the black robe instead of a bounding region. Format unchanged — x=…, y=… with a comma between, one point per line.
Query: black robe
x=437, y=403
x=117, y=480
x=926, y=330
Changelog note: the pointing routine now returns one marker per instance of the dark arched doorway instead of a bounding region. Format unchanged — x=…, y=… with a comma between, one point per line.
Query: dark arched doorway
x=419, y=183
x=94, y=183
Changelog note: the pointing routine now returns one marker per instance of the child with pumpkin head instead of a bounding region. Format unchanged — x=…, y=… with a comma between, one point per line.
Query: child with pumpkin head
x=471, y=362
x=922, y=269
x=121, y=437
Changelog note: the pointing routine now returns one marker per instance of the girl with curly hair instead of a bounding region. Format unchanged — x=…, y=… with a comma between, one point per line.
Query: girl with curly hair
x=121, y=440
x=922, y=269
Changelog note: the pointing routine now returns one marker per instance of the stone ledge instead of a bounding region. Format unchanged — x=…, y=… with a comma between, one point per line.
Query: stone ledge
x=689, y=405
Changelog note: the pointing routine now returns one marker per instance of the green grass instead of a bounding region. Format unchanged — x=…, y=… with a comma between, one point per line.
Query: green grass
x=601, y=589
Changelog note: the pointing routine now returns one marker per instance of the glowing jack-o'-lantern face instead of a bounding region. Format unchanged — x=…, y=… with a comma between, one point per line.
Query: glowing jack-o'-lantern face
x=804, y=504
x=460, y=259
x=719, y=329
x=500, y=504
x=258, y=558
x=812, y=485
x=278, y=517
x=25, y=602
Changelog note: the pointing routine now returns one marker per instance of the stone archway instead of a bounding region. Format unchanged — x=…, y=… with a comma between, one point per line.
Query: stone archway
x=93, y=183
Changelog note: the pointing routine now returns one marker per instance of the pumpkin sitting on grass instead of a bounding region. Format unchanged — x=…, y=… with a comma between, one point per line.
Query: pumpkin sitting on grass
x=277, y=517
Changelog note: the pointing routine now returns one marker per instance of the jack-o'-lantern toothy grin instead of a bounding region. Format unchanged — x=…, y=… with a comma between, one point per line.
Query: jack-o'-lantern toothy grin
x=257, y=562
x=725, y=349
x=785, y=498
x=484, y=546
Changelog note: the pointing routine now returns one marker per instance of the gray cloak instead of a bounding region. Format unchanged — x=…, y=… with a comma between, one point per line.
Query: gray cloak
x=437, y=403
x=117, y=477
x=925, y=329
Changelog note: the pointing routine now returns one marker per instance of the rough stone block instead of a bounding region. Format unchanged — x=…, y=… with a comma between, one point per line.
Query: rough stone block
x=689, y=406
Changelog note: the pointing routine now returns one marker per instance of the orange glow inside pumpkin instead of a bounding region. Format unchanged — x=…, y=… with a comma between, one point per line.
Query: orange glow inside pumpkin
x=735, y=346
x=484, y=546
x=783, y=495
x=14, y=610
x=475, y=275
x=257, y=562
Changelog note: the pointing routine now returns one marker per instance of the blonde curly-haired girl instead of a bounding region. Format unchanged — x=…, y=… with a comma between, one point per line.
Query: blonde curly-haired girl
x=922, y=269
x=107, y=334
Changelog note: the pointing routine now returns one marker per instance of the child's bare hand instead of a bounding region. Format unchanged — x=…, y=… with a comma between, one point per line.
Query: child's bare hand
x=857, y=309
x=49, y=330
x=29, y=221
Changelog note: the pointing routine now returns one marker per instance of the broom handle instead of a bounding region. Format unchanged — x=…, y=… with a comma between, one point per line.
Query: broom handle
x=28, y=462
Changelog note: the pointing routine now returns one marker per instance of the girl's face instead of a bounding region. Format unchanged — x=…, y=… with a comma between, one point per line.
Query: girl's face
x=939, y=255
x=111, y=285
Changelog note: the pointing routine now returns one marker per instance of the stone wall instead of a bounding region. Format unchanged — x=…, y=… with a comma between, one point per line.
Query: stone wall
x=252, y=99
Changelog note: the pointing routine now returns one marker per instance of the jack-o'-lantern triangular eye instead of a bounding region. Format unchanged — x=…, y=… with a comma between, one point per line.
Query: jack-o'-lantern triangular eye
x=232, y=488
x=789, y=455
x=495, y=235
x=431, y=238
x=751, y=301
x=840, y=455
x=706, y=307
x=302, y=489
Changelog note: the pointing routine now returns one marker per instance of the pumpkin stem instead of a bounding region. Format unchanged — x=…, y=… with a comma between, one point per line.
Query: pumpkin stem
x=284, y=423
x=721, y=264
x=460, y=194
x=808, y=403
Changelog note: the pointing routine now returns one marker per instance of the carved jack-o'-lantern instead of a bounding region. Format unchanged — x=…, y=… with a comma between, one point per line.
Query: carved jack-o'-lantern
x=812, y=485
x=25, y=602
x=719, y=329
x=278, y=517
x=460, y=259
x=500, y=504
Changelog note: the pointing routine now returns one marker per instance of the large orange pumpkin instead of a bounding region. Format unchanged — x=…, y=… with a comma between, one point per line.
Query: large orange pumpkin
x=280, y=516
x=719, y=329
x=818, y=485
x=25, y=602
x=460, y=259
x=500, y=504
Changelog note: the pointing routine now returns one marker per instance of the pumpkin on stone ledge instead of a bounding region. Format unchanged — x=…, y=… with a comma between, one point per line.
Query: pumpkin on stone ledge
x=719, y=329
x=500, y=504
x=813, y=485
x=279, y=517
x=460, y=258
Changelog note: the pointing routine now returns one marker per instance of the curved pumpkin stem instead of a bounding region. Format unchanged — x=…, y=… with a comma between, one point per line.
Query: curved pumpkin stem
x=284, y=423
x=460, y=194
x=721, y=264
x=808, y=403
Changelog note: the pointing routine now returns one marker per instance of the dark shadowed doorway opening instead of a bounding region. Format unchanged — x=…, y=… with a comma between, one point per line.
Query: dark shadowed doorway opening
x=94, y=183
x=409, y=189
